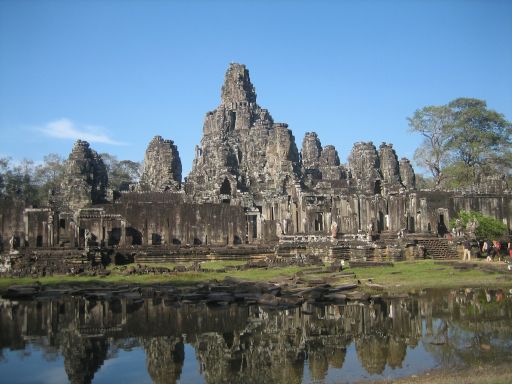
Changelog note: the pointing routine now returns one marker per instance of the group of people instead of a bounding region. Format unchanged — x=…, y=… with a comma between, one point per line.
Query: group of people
x=489, y=249
x=493, y=249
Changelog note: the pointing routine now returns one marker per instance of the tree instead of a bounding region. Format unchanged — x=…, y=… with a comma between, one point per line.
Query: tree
x=121, y=173
x=49, y=175
x=488, y=227
x=433, y=123
x=16, y=181
x=464, y=141
x=480, y=141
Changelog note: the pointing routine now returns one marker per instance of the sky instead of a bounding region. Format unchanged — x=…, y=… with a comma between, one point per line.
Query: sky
x=117, y=73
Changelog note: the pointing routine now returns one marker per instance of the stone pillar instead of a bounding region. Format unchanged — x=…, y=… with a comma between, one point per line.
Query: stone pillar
x=424, y=215
x=249, y=229
x=107, y=226
x=44, y=234
x=258, y=225
x=76, y=236
x=101, y=231
x=51, y=240
x=122, y=241
x=25, y=222
x=231, y=235
x=145, y=231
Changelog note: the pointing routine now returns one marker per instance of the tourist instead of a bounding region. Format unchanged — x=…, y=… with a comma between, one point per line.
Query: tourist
x=497, y=248
x=509, y=248
x=487, y=248
x=467, y=250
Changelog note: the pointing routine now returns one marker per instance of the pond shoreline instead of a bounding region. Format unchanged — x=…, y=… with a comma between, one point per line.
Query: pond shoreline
x=274, y=286
x=483, y=374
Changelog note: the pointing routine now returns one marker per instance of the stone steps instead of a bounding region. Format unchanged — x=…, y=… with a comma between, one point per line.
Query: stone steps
x=438, y=248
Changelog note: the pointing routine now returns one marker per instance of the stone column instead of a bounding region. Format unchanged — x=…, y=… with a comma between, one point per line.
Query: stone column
x=231, y=235
x=249, y=229
x=50, y=235
x=25, y=222
x=123, y=233
x=76, y=236
x=44, y=234
x=258, y=225
x=102, y=230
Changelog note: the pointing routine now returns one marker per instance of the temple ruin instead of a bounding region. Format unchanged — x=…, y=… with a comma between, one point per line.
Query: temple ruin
x=251, y=191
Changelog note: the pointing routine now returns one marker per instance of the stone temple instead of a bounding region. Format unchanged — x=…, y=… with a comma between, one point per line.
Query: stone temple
x=251, y=191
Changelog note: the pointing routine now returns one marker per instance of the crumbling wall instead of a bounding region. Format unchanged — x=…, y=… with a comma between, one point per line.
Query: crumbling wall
x=158, y=218
x=11, y=221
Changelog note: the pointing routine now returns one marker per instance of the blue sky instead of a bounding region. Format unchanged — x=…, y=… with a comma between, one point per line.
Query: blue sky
x=116, y=73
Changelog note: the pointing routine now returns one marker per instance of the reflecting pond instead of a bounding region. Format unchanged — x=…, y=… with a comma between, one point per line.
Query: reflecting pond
x=82, y=339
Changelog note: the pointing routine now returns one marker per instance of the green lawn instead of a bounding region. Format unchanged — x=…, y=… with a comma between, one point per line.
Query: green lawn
x=403, y=276
x=407, y=275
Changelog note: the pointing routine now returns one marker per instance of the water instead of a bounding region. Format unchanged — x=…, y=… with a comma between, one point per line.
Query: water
x=79, y=340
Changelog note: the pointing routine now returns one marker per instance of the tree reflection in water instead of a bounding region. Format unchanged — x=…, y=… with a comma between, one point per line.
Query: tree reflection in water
x=251, y=344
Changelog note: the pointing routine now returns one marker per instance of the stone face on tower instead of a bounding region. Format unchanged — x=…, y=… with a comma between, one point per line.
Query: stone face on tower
x=162, y=166
x=85, y=180
x=320, y=163
x=242, y=149
x=237, y=86
x=364, y=164
x=311, y=150
x=389, y=167
x=407, y=174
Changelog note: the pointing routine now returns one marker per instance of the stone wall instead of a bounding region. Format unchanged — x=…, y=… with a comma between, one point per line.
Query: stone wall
x=164, y=218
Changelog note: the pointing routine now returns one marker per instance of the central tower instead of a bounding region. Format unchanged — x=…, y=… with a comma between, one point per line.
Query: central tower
x=243, y=153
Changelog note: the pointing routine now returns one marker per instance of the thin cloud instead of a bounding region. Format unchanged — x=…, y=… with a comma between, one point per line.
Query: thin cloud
x=67, y=129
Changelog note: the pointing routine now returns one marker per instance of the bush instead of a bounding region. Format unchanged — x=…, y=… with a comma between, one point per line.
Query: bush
x=488, y=227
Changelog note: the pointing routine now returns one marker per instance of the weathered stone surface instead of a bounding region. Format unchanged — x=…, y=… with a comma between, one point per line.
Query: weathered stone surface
x=320, y=163
x=242, y=148
x=364, y=164
x=311, y=150
x=162, y=166
x=86, y=180
x=329, y=157
x=493, y=184
x=389, y=167
x=407, y=174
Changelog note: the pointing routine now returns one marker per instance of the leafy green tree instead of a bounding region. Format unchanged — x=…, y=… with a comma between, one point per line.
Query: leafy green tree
x=488, y=227
x=121, y=173
x=480, y=141
x=49, y=175
x=464, y=141
x=433, y=123
x=17, y=181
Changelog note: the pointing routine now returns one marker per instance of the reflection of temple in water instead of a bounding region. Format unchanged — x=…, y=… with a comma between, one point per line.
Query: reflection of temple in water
x=244, y=344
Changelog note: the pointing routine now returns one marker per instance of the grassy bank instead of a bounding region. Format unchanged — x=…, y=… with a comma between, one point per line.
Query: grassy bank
x=488, y=374
x=404, y=276
x=401, y=277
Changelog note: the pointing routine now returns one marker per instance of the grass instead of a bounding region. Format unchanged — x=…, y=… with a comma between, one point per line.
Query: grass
x=182, y=278
x=486, y=374
x=402, y=277
x=409, y=275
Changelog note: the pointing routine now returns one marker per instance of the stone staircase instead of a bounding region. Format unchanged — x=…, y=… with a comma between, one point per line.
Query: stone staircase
x=438, y=248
